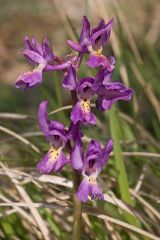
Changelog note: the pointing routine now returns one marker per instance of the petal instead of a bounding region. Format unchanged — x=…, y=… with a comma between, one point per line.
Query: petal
x=28, y=44
x=76, y=157
x=100, y=26
x=96, y=192
x=37, y=46
x=94, y=60
x=107, y=77
x=77, y=113
x=43, y=120
x=106, y=34
x=115, y=91
x=46, y=165
x=29, y=79
x=103, y=104
x=98, y=79
x=47, y=51
x=52, y=162
x=83, y=191
x=106, y=151
x=61, y=162
x=74, y=132
x=89, y=118
x=33, y=56
x=85, y=88
x=57, y=67
x=85, y=34
x=102, y=35
x=56, y=125
x=77, y=47
x=94, y=148
x=70, y=80
x=81, y=112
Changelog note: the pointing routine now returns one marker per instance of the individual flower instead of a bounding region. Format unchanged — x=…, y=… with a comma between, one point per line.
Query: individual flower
x=90, y=167
x=39, y=55
x=54, y=132
x=109, y=92
x=81, y=110
x=93, y=41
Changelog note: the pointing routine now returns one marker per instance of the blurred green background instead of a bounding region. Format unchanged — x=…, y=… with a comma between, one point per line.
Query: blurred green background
x=131, y=178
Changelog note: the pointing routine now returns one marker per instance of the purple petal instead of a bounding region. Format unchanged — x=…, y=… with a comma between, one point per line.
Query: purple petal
x=29, y=79
x=76, y=157
x=80, y=113
x=115, y=91
x=85, y=88
x=77, y=113
x=87, y=187
x=57, y=67
x=96, y=192
x=102, y=77
x=94, y=60
x=43, y=120
x=47, y=51
x=106, y=151
x=56, y=125
x=28, y=44
x=46, y=165
x=83, y=191
x=52, y=161
x=77, y=47
x=70, y=80
x=61, y=162
x=37, y=46
x=101, y=36
x=100, y=26
x=85, y=34
x=74, y=132
x=94, y=148
x=92, y=163
x=33, y=56
x=102, y=104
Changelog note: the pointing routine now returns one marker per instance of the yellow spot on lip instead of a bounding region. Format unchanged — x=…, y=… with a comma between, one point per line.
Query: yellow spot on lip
x=85, y=104
x=54, y=153
x=98, y=52
x=92, y=180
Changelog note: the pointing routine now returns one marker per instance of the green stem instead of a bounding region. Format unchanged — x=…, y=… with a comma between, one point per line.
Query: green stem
x=77, y=205
x=77, y=208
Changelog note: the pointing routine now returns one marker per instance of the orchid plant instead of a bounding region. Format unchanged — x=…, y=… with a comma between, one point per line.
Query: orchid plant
x=89, y=164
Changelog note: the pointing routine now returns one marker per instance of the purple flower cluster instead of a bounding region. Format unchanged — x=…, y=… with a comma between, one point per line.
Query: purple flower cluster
x=100, y=87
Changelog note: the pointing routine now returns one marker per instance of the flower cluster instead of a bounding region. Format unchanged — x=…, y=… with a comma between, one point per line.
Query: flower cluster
x=101, y=87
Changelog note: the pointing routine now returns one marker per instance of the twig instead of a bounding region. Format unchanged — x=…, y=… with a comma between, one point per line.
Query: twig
x=146, y=204
x=19, y=137
x=15, y=116
x=147, y=87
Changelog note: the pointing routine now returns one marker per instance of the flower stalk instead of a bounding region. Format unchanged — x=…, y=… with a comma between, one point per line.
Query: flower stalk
x=77, y=208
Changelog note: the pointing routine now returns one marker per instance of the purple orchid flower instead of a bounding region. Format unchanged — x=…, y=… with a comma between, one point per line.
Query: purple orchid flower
x=81, y=111
x=54, y=132
x=37, y=54
x=90, y=167
x=92, y=41
x=109, y=92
